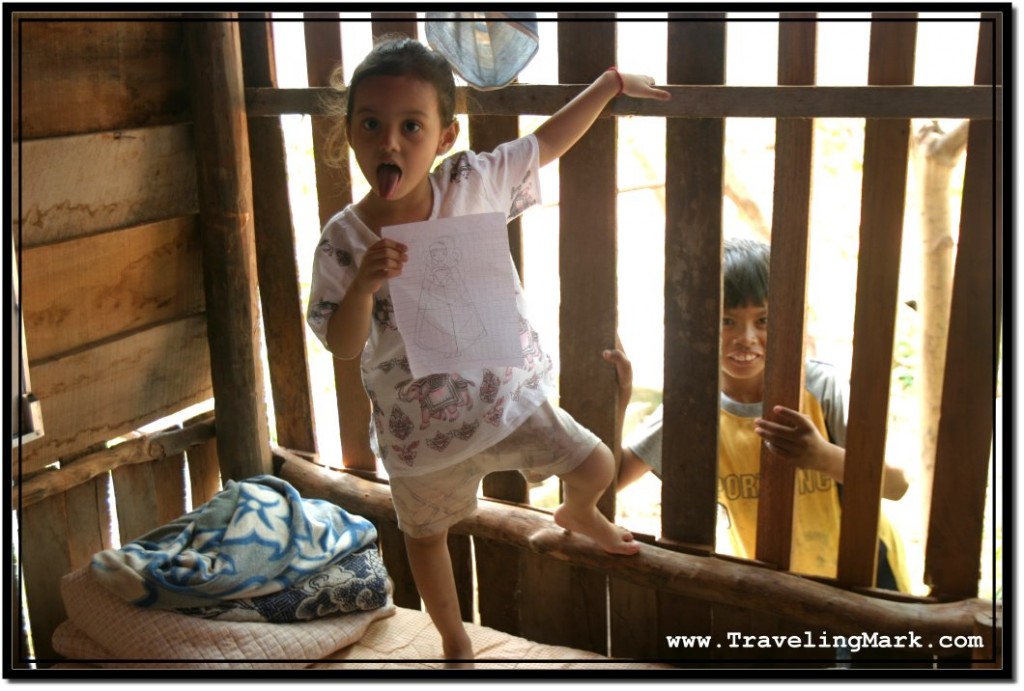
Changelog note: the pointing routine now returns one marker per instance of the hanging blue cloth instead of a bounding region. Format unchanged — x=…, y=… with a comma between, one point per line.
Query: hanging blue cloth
x=487, y=49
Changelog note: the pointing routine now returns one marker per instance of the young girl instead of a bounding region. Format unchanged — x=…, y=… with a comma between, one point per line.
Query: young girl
x=400, y=115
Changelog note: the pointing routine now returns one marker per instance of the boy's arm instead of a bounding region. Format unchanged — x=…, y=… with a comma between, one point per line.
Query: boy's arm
x=794, y=437
x=631, y=469
x=349, y=326
x=563, y=129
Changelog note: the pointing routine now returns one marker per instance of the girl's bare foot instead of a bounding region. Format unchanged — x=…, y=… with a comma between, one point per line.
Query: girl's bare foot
x=594, y=525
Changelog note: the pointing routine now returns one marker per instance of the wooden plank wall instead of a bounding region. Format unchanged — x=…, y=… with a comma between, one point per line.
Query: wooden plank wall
x=111, y=276
x=111, y=283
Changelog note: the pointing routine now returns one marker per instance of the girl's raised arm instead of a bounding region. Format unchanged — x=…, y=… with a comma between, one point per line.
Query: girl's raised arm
x=563, y=129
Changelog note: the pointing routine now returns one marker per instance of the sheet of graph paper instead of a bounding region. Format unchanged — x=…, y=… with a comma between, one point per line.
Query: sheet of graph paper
x=455, y=302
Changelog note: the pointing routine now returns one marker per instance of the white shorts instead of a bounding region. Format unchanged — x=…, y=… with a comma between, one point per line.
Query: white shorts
x=550, y=442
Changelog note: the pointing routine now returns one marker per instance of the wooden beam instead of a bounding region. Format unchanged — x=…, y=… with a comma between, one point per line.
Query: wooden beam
x=886, y=151
x=706, y=578
x=139, y=450
x=691, y=101
x=787, y=288
x=964, y=442
x=278, y=272
x=229, y=262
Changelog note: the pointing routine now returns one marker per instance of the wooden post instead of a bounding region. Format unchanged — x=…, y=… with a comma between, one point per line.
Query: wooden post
x=784, y=366
x=886, y=151
x=964, y=442
x=229, y=263
x=284, y=321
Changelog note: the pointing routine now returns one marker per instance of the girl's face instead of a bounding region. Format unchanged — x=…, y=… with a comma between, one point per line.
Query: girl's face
x=396, y=133
x=744, y=335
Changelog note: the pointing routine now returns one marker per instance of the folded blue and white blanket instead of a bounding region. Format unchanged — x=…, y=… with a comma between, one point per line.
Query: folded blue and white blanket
x=254, y=538
x=359, y=582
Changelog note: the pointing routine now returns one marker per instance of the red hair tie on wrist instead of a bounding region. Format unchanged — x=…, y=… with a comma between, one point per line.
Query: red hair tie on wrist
x=622, y=83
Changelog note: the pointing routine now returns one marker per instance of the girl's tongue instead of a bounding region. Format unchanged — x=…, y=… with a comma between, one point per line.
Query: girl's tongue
x=388, y=177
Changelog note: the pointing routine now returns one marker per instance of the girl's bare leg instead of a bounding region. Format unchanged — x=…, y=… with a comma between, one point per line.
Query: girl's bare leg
x=583, y=487
x=432, y=569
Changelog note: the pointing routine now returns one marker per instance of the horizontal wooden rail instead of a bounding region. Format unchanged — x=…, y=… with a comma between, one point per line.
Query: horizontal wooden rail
x=821, y=607
x=974, y=102
x=142, y=449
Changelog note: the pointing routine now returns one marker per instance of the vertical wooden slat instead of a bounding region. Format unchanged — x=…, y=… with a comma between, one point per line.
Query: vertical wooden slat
x=953, y=548
x=588, y=313
x=682, y=616
x=136, y=500
x=587, y=228
x=497, y=565
x=632, y=609
x=577, y=620
x=275, y=250
x=498, y=592
x=88, y=509
x=393, y=23
x=460, y=549
x=45, y=556
x=169, y=485
x=322, y=31
x=787, y=285
x=334, y=193
x=886, y=150
x=229, y=263
x=204, y=472
x=693, y=287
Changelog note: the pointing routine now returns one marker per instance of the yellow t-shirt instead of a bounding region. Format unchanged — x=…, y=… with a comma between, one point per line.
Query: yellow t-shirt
x=816, y=512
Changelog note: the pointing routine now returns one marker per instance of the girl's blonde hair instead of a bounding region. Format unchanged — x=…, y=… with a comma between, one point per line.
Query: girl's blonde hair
x=393, y=55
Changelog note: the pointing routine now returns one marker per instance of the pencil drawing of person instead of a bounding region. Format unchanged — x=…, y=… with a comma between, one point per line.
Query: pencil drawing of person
x=448, y=321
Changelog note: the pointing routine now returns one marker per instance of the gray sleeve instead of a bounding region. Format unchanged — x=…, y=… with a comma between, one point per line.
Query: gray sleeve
x=832, y=393
x=645, y=440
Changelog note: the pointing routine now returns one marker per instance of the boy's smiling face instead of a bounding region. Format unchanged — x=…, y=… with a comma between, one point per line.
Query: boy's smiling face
x=744, y=334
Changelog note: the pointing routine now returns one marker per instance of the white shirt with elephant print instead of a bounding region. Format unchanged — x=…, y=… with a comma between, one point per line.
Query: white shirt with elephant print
x=424, y=425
